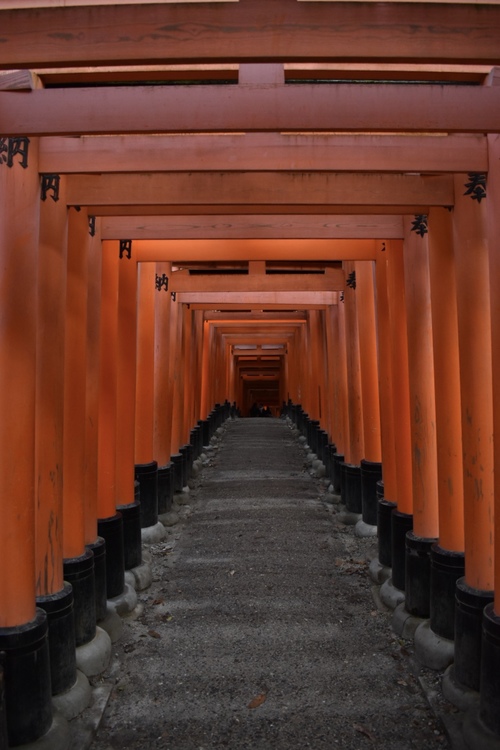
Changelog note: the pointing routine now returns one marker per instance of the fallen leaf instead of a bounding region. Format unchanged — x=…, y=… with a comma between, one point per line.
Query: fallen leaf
x=364, y=730
x=257, y=701
x=154, y=634
x=158, y=601
x=167, y=618
x=232, y=572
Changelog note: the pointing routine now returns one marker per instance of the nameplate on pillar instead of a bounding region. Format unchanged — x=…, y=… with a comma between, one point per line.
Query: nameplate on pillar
x=11, y=147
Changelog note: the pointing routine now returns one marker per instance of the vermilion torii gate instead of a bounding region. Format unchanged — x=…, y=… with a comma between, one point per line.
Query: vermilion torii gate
x=361, y=139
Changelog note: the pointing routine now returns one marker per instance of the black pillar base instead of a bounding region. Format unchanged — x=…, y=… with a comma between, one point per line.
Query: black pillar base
x=446, y=568
x=338, y=462
x=418, y=575
x=401, y=524
x=132, y=542
x=147, y=476
x=469, y=606
x=351, y=490
x=61, y=634
x=165, y=488
x=3, y=711
x=177, y=460
x=101, y=600
x=111, y=530
x=384, y=527
x=185, y=451
x=371, y=473
x=490, y=671
x=79, y=572
x=28, y=697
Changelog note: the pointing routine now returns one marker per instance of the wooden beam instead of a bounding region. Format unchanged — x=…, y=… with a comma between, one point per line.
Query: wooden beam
x=263, y=151
x=179, y=251
x=263, y=188
x=238, y=317
x=257, y=300
x=254, y=308
x=250, y=30
x=333, y=281
x=276, y=226
x=246, y=108
x=262, y=209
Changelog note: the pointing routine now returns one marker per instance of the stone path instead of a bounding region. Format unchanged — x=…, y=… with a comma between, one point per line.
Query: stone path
x=260, y=629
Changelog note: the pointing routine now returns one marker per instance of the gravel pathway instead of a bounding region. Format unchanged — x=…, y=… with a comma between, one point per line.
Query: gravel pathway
x=261, y=629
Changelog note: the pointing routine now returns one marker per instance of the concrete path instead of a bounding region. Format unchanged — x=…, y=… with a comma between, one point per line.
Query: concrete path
x=260, y=629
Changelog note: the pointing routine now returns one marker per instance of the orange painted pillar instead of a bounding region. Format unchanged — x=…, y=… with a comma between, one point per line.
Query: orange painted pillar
x=371, y=463
x=122, y=546
x=162, y=402
x=474, y=591
x=490, y=664
x=54, y=595
x=146, y=467
x=198, y=323
x=423, y=421
x=205, y=369
x=79, y=560
x=50, y=396
x=93, y=379
x=447, y=556
x=187, y=380
x=19, y=618
x=354, y=452
x=177, y=406
x=388, y=489
x=108, y=374
x=402, y=518
x=341, y=394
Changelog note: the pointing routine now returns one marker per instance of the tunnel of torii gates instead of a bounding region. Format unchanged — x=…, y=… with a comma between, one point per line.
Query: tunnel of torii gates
x=203, y=207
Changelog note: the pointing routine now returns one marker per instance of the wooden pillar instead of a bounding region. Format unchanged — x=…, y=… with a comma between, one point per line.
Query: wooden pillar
x=490, y=663
x=20, y=192
x=400, y=375
x=355, y=447
x=421, y=381
x=402, y=518
x=23, y=627
x=365, y=299
x=50, y=395
x=163, y=405
x=371, y=462
x=177, y=406
x=387, y=491
x=187, y=379
x=108, y=373
x=110, y=570
x=422, y=420
x=146, y=466
x=494, y=265
x=354, y=451
x=145, y=365
x=205, y=369
x=474, y=591
x=75, y=369
x=79, y=567
x=447, y=381
x=342, y=382
x=447, y=557
x=385, y=377
x=93, y=380
x=474, y=327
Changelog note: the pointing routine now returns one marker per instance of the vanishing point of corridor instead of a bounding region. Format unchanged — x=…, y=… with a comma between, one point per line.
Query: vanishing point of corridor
x=261, y=629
